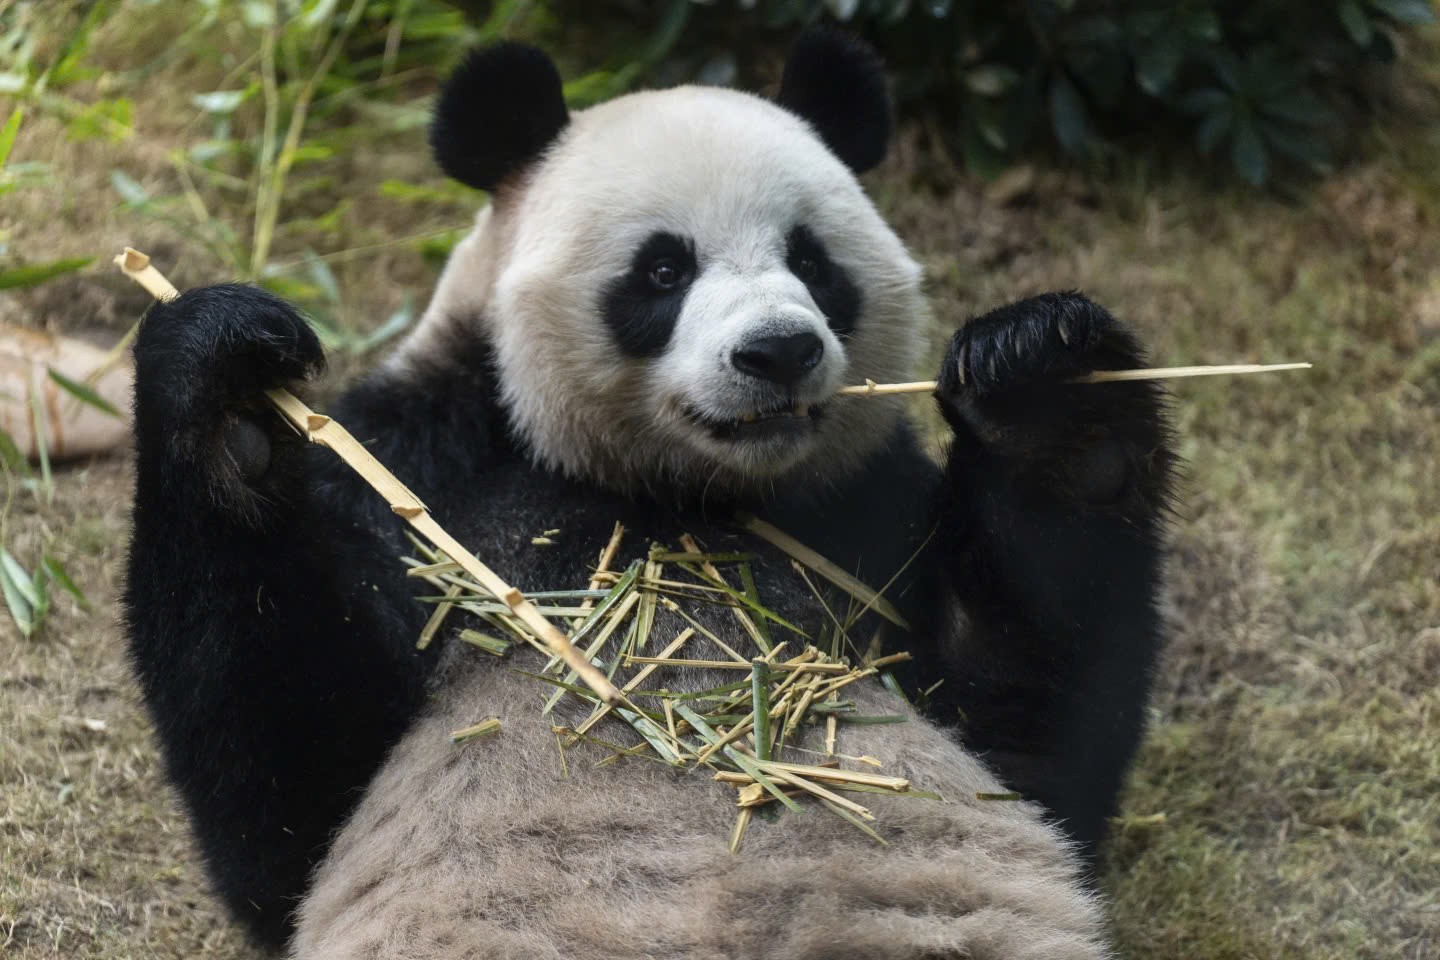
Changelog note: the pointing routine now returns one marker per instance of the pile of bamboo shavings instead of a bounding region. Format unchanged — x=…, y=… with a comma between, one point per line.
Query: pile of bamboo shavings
x=738, y=728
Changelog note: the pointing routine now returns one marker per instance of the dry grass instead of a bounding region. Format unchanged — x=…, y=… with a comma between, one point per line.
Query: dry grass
x=1293, y=752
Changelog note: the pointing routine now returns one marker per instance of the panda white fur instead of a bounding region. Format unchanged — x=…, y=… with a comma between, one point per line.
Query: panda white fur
x=648, y=324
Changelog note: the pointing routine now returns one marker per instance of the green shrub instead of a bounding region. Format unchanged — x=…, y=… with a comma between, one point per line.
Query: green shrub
x=1254, y=82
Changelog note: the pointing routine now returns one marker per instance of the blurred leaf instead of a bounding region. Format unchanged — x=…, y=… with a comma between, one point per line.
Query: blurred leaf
x=40, y=423
x=1157, y=64
x=104, y=119
x=13, y=82
x=40, y=584
x=1300, y=147
x=58, y=573
x=1356, y=24
x=720, y=70
x=1204, y=100
x=436, y=247
x=19, y=591
x=1301, y=108
x=1226, y=67
x=1247, y=153
x=310, y=152
x=69, y=64
x=208, y=150
x=8, y=133
x=257, y=14
x=394, y=325
x=83, y=393
x=1204, y=25
x=37, y=273
x=448, y=192
x=220, y=101
x=1214, y=128
x=981, y=157
x=1068, y=116
x=1406, y=11
x=991, y=80
x=11, y=457
x=129, y=189
x=323, y=277
x=317, y=12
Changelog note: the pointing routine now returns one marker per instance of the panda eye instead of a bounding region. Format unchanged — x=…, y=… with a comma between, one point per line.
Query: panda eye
x=665, y=274
x=807, y=269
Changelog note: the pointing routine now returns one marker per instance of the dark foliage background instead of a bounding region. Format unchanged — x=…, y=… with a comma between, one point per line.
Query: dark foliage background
x=1265, y=89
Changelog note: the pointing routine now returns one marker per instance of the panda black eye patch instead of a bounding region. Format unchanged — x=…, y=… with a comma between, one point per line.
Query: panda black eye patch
x=642, y=305
x=829, y=284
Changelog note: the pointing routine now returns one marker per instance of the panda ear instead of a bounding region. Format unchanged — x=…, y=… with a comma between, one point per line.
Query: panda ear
x=837, y=83
x=498, y=111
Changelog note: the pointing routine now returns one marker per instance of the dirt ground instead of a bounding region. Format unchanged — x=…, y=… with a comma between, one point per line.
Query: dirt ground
x=1287, y=800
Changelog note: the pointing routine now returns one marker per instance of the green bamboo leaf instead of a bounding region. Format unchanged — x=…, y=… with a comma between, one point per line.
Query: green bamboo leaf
x=83, y=393
x=9, y=132
x=1068, y=116
x=1156, y=65
x=17, y=590
x=58, y=573
x=220, y=101
x=40, y=583
x=129, y=189
x=11, y=457
x=34, y=274
x=21, y=578
x=40, y=421
x=1406, y=11
x=1247, y=153
x=1356, y=24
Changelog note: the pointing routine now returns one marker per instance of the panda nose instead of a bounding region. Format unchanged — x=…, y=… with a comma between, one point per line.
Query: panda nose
x=784, y=360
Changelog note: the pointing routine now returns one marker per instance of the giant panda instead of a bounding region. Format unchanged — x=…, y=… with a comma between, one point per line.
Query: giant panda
x=648, y=324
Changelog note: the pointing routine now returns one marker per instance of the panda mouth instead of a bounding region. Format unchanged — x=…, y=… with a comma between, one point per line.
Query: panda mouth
x=787, y=421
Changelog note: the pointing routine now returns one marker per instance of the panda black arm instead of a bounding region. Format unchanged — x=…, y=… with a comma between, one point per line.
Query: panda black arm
x=276, y=676
x=1050, y=525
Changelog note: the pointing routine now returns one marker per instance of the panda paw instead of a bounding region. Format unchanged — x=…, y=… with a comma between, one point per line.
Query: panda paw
x=1006, y=387
x=202, y=364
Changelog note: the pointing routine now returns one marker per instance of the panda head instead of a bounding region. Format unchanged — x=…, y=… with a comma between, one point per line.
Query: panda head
x=676, y=282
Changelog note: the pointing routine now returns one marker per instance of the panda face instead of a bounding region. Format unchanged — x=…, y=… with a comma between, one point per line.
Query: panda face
x=685, y=279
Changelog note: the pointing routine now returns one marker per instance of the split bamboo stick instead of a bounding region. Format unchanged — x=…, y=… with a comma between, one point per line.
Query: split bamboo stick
x=872, y=389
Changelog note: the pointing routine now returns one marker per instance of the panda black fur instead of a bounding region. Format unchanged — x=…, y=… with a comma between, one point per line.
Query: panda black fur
x=647, y=271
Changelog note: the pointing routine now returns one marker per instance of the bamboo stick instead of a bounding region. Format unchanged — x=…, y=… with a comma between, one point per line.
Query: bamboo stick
x=872, y=389
x=825, y=568
x=636, y=680
x=320, y=429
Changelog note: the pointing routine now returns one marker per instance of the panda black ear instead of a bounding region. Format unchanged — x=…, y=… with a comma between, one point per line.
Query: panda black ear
x=500, y=108
x=837, y=83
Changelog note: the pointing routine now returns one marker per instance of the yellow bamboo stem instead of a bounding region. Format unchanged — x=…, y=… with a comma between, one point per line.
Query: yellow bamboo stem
x=872, y=389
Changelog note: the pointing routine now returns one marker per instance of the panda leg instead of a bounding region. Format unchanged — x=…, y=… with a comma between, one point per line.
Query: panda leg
x=1051, y=518
x=269, y=677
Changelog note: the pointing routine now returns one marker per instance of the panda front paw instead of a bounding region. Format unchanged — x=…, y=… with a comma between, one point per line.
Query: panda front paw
x=1007, y=389
x=202, y=364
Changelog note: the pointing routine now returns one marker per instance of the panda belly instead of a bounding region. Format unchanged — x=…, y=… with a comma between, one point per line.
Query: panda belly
x=487, y=850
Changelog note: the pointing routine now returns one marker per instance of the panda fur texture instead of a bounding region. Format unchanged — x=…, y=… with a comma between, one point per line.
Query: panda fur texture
x=647, y=273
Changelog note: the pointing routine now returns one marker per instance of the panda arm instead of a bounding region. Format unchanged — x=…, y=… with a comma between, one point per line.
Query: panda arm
x=275, y=675
x=1050, y=527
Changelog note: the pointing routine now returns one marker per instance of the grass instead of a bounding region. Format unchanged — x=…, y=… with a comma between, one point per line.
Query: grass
x=1293, y=746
